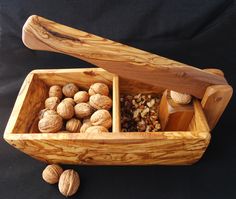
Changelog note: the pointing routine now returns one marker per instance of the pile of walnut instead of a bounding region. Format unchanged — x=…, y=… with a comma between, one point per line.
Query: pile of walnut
x=68, y=180
x=140, y=113
x=76, y=111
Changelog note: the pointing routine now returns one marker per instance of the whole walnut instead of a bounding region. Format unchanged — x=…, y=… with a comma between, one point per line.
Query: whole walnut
x=41, y=113
x=86, y=120
x=180, y=98
x=70, y=89
x=50, y=124
x=45, y=112
x=81, y=96
x=69, y=100
x=83, y=110
x=69, y=182
x=65, y=110
x=101, y=118
x=52, y=102
x=99, y=101
x=99, y=88
x=86, y=124
x=96, y=129
x=55, y=91
x=52, y=173
x=73, y=125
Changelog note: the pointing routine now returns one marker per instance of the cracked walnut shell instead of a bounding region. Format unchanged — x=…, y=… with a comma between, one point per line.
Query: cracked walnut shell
x=52, y=173
x=69, y=182
x=99, y=88
x=50, y=124
x=101, y=118
x=99, y=101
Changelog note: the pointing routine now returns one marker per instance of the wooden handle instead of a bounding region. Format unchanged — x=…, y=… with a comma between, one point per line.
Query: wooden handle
x=126, y=61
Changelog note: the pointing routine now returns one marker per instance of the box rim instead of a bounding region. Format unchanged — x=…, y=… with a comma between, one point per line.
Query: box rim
x=9, y=135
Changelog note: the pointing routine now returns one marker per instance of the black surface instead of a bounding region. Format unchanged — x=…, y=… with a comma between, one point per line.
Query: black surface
x=200, y=33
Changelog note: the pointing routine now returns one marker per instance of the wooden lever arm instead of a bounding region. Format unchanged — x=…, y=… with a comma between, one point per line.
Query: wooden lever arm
x=42, y=34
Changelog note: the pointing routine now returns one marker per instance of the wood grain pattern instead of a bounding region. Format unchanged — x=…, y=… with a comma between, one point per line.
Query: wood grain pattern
x=215, y=101
x=198, y=122
x=131, y=63
x=34, y=91
x=29, y=102
x=84, y=77
x=165, y=148
x=116, y=125
x=215, y=71
x=133, y=87
x=173, y=116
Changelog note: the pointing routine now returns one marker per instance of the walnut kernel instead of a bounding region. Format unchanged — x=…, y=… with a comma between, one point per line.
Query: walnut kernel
x=140, y=113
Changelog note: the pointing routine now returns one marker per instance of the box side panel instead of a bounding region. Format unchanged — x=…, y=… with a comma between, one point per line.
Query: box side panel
x=33, y=103
x=83, y=77
x=29, y=101
x=167, y=148
x=134, y=87
x=198, y=122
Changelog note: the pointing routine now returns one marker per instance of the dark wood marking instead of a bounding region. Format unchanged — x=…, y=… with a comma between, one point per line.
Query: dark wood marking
x=90, y=73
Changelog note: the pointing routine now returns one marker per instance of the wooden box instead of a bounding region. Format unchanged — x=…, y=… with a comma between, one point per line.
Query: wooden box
x=115, y=148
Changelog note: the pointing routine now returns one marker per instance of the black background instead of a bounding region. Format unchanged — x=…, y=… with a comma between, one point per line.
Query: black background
x=200, y=33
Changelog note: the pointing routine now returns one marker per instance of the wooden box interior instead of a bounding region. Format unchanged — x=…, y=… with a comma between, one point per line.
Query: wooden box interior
x=116, y=148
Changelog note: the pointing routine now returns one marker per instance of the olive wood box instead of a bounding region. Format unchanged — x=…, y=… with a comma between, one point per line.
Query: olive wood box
x=131, y=71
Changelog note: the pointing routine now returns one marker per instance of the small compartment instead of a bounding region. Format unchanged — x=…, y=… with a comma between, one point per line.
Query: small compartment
x=138, y=114
x=133, y=89
x=35, y=90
